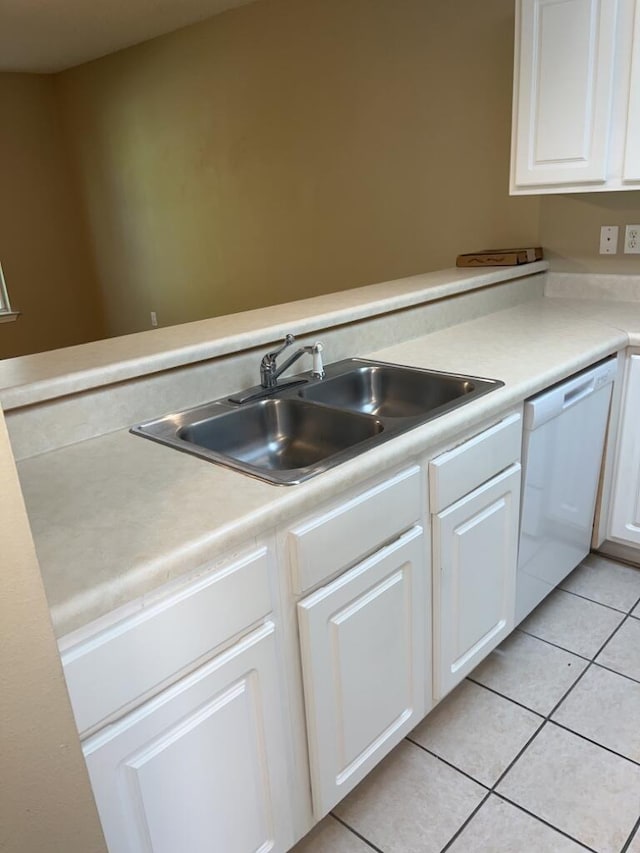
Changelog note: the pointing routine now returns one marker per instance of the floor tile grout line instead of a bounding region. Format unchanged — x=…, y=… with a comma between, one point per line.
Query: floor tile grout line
x=492, y=788
x=555, y=645
x=504, y=696
x=592, y=600
x=594, y=742
x=542, y=820
x=356, y=833
x=547, y=719
x=611, y=636
x=448, y=764
x=568, y=691
x=460, y=829
x=625, y=616
x=632, y=835
x=617, y=672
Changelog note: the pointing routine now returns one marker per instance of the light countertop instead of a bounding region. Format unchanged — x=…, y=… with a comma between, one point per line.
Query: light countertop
x=117, y=516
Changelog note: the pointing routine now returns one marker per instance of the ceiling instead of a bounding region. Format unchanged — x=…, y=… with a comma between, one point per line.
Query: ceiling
x=50, y=35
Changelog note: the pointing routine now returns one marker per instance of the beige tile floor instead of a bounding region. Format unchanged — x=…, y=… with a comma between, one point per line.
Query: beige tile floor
x=538, y=751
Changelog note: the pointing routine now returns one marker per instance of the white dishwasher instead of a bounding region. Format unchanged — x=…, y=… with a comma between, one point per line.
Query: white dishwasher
x=564, y=432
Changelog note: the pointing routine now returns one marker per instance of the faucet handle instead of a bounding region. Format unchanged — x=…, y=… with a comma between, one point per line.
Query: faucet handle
x=318, y=367
x=271, y=356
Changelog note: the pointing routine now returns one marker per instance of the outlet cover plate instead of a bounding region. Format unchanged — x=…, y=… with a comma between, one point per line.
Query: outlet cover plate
x=632, y=240
x=608, y=239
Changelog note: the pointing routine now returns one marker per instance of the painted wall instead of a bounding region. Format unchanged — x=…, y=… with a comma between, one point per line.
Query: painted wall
x=43, y=240
x=45, y=799
x=295, y=147
x=280, y=150
x=570, y=230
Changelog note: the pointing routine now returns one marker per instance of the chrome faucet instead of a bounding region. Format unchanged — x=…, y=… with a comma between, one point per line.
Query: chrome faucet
x=269, y=370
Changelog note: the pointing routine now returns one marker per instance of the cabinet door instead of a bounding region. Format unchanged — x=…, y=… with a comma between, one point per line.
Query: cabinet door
x=474, y=574
x=631, y=171
x=364, y=648
x=563, y=95
x=624, y=524
x=201, y=767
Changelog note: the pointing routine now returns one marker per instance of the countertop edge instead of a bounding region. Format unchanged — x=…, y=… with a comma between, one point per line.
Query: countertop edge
x=34, y=379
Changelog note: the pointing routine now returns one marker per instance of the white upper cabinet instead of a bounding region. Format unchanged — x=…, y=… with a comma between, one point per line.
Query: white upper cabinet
x=576, y=123
x=631, y=171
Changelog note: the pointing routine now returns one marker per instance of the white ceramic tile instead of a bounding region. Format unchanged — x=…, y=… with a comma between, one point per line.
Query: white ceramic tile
x=330, y=836
x=477, y=731
x=606, y=582
x=605, y=707
x=636, y=611
x=411, y=803
x=634, y=847
x=573, y=623
x=499, y=827
x=578, y=787
x=622, y=652
x=530, y=671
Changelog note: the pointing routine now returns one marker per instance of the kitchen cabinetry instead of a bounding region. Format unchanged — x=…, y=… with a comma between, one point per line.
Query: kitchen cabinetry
x=363, y=658
x=364, y=636
x=185, y=697
x=475, y=542
x=576, y=96
x=202, y=766
x=193, y=738
x=624, y=517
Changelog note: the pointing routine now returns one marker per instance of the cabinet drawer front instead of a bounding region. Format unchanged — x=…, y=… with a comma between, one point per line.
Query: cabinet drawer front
x=118, y=665
x=346, y=534
x=364, y=645
x=462, y=469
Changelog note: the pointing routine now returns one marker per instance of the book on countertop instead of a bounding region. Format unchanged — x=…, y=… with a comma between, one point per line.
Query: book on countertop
x=500, y=257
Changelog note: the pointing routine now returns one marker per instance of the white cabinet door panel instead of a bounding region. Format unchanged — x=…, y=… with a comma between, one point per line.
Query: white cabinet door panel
x=631, y=172
x=364, y=652
x=625, y=506
x=202, y=766
x=475, y=557
x=564, y=91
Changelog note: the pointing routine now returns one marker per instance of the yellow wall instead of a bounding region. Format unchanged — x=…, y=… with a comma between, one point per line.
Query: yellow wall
x=43, y=241
x=45, y=799
x=295, y=147
x=280, y=150
x=570, y=230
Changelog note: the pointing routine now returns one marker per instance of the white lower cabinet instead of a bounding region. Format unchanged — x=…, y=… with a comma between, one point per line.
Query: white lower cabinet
x=202, y=766
x=365, y=640
x=475, y=544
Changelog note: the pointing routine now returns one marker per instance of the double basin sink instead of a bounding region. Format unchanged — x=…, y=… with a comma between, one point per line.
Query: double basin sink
x=310, y=425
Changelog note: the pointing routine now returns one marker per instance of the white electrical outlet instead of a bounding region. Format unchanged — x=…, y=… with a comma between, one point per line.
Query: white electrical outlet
x=608, y=239
x=154, y=318
x=632, y=240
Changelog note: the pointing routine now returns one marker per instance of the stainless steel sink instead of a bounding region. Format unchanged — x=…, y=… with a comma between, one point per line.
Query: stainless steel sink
x=300, y=431
x=391, y=392
x=279, y=434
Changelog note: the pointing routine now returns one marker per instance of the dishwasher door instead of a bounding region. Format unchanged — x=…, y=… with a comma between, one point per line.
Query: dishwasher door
x=564, y=433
